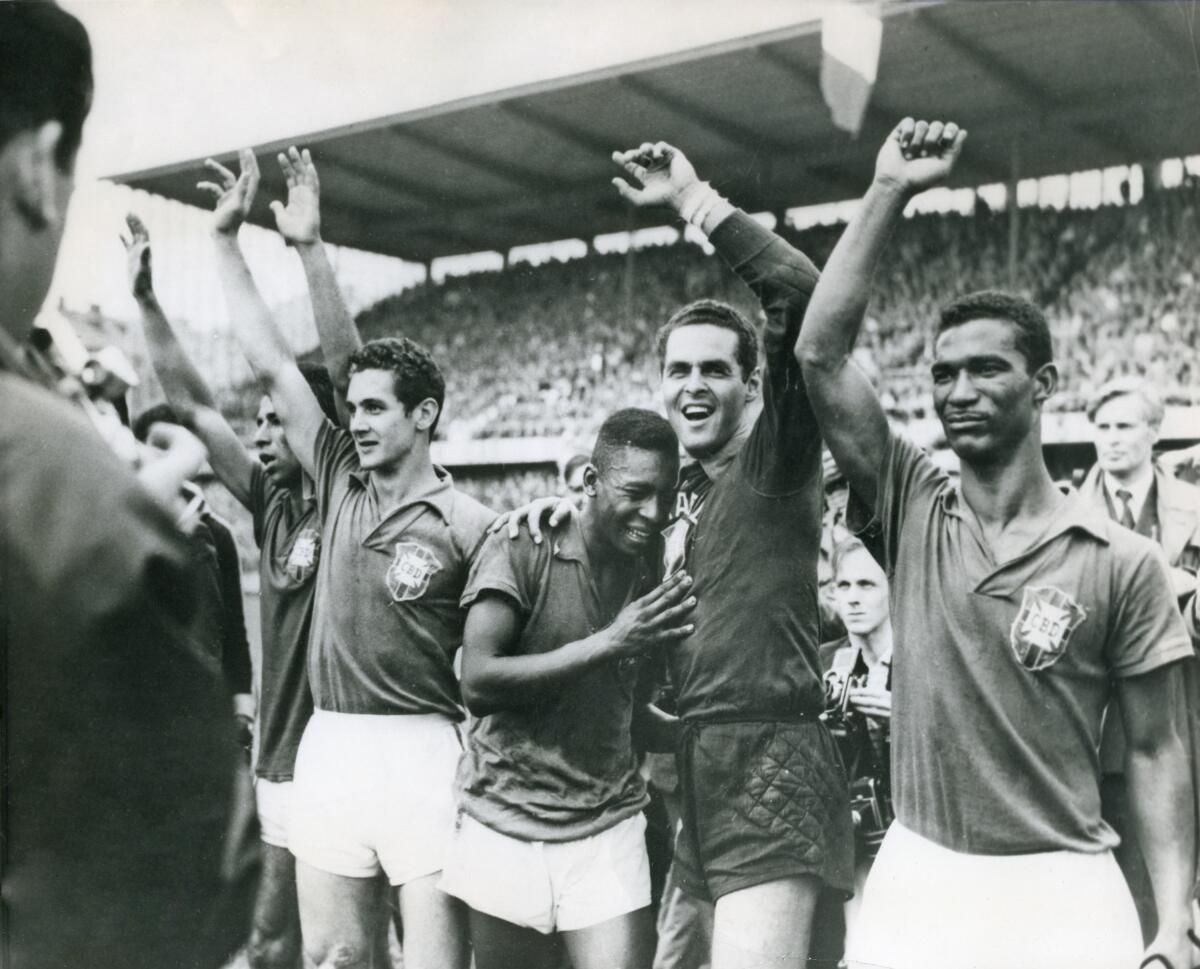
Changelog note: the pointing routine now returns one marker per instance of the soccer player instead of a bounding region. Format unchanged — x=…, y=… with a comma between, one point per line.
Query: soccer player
x=550, y=839
x=764, y=819
x=118, y=747
x=1124, y=484
x=273, y=488
x=1015, y=608
x=374, y=774
x=765, y=824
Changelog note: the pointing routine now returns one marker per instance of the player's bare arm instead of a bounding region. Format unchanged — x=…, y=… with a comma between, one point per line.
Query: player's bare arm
x=915, y=156
x=1153, y=708
x=186, y=390
x=264, y=345
x=494, y=680
x=299, y=222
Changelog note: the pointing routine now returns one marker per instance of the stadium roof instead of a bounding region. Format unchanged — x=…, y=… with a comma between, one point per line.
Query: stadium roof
x=1053, y=87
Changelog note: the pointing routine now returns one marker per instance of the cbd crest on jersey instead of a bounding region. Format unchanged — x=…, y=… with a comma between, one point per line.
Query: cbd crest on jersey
x=303, y=556
x=409, y=574
x=1044, y=625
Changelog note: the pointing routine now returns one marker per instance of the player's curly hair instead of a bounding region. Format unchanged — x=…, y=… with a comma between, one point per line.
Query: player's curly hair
x=416, y=377
x=714, y=313
x=1033, y=333
x=633, y=427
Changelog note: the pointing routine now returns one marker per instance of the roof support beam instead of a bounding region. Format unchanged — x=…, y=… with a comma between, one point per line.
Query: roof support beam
x=386, y=181
x=731, y=131
x=1146, y=19
x=1035, y=97
x=567, y=131
x=879, y=113
x=518, y=175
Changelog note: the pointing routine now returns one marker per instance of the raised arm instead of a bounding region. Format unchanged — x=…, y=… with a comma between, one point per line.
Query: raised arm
x=915, y=156
x=780, y=276
x=264, y=345
x=493, y=679
x=187, y=392
x=299, y=223
x=1153, y=707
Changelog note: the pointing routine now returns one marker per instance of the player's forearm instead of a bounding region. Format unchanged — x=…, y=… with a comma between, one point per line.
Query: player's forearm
x=260, y=339
x=780, y=276
x=495, y=683
x=335, y=327
x=1162, y=800
x=186, y=390
x=839, y=303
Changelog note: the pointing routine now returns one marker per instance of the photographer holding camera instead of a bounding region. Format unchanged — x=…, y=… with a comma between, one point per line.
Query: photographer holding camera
x=858, y=670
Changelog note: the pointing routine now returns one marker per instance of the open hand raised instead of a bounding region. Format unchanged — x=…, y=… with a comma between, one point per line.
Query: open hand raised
x=137, y=257
x=234, y=193
x=299, y=221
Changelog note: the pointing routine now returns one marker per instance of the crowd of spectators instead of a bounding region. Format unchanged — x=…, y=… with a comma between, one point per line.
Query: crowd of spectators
x=548, y=350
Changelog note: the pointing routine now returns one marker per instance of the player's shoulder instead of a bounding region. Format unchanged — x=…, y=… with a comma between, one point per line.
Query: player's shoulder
x=1127, y=551
x=468, y=515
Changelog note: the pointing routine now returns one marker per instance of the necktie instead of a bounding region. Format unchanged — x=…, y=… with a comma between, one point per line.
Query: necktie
x=1126, y=518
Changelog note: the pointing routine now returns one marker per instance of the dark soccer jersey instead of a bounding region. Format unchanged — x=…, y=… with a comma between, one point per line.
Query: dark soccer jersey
x=750, y=539
x=386, y=619
x=563, y=768
x=1002, y=669
x=289, y=551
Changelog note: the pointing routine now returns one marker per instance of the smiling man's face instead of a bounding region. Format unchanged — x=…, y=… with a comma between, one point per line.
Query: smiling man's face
x=703, y=388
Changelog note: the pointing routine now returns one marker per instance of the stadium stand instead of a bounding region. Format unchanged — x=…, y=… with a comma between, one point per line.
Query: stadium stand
x=548, y=350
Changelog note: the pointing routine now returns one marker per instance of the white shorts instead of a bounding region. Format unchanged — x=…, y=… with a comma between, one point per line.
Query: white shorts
x=550, y=886
x=926, y=907
x=273, y=799
x=374, y=792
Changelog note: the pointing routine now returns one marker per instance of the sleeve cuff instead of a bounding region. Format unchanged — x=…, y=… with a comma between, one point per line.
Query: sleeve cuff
x=739, y=238
x=1161, y=657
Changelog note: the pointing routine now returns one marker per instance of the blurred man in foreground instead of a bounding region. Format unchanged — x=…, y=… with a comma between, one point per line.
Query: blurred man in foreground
x=118, y=745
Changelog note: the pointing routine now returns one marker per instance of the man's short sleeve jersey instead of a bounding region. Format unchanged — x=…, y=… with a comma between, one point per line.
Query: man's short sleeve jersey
x=386, y=619
x=289, y=551
x=749, y=540
x=563, y=768
x=1002, y=670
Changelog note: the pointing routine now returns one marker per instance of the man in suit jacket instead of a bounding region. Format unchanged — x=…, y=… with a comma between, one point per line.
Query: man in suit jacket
x=1126, y=415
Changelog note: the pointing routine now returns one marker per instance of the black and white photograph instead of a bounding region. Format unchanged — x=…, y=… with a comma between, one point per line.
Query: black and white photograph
x=642, y=484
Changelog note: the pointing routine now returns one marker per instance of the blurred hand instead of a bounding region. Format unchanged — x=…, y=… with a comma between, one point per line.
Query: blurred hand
x=234, y=194
x=299, y=221
x=872, y=702
x=665, y=174
x=137, y=258
x=919, y=154
x=177, y=442
x=531, y=516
